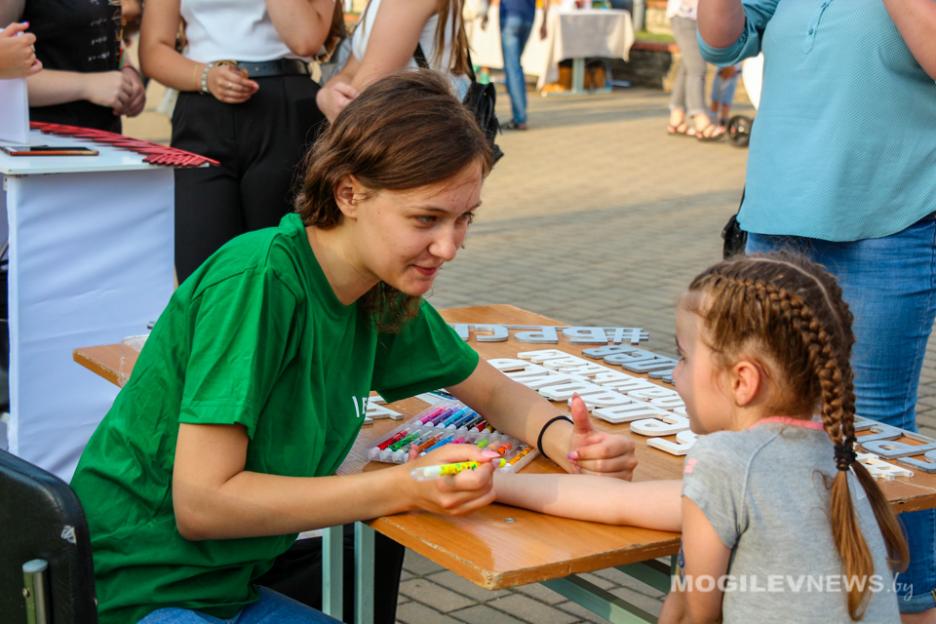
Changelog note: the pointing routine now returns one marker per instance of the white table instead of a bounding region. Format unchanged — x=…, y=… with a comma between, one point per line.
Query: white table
x=90, y=261
x=572, y=34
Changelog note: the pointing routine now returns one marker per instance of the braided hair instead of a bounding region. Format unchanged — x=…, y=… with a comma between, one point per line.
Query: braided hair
x=790, y=311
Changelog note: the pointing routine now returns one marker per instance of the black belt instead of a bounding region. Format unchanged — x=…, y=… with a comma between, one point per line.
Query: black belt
x=279, y=67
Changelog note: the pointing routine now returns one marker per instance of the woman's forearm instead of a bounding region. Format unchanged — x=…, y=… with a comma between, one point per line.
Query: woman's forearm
x=158, y=56
x=721, y=22
x=50, y=87
x=302, y=24
x=162, y=63
x=916, y=21
x=253, y=504
x=649, y=504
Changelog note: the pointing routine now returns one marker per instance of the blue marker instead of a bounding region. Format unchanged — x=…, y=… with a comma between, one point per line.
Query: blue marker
x=441, y=442
x=475, y=419
x=443, y=415
x=467, y=417
x=456, y=416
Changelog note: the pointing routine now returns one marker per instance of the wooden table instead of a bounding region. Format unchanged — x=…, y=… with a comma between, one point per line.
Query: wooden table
x=500, y=546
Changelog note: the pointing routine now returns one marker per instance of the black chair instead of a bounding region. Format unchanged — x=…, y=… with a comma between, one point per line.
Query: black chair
x=46, y=571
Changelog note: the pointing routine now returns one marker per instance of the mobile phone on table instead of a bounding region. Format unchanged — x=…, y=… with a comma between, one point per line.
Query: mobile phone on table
x=48, y=150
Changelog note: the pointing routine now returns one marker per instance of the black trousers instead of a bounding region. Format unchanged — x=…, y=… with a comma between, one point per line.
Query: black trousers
x=297, y=573
x=260, y=145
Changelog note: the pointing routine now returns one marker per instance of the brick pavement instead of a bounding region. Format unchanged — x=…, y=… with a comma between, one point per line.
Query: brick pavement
x=595, y=216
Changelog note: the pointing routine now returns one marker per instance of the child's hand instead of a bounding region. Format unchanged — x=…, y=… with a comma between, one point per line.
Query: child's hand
x=458, y=494
x=674, y=609
x=17, y=52
x=596, y=452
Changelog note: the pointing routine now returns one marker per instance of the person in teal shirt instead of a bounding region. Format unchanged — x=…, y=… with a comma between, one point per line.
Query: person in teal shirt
x=252, y=387
x=842, y=168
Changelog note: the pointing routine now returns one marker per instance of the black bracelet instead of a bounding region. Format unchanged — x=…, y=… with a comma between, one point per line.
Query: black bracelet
x=539, y=440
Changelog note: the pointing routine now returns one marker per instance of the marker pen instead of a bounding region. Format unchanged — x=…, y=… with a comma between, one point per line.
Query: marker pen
x=397, y=436
x=502, y=448
x=523, y=453
x=467, y=416
x=475, y=419
x=403, y=441
x=441, y=416
x=428, y=443
x=427, y=473
x=456, y=416
x=441, y=442
x=432, y=414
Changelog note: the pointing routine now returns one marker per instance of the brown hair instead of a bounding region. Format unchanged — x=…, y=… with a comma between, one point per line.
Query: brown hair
x=404, y=131
x=791, y=312
x=337, y=31
x=459, y=59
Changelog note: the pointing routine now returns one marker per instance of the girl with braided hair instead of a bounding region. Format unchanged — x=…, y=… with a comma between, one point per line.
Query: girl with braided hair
x=779, y=522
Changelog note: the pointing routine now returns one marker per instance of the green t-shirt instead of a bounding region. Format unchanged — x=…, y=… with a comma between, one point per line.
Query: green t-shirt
x=258, y=338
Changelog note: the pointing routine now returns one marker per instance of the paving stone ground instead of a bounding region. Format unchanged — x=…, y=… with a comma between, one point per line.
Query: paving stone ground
x=595, y=216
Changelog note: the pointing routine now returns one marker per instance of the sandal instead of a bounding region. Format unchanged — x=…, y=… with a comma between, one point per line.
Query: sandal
x=680, y=129
x=710, y=133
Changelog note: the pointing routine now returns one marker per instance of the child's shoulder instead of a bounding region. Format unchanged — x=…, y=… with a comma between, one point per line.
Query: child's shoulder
x=736, y=442
x=729, y=452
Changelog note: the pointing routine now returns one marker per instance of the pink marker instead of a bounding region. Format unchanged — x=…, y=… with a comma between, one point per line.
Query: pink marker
x=431, y=415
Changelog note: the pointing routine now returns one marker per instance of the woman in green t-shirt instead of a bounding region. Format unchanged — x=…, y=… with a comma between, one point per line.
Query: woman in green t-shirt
x=250, y=390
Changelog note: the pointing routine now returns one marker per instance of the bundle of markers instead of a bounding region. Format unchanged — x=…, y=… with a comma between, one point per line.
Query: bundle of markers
x=153, y=153
x=451, y=422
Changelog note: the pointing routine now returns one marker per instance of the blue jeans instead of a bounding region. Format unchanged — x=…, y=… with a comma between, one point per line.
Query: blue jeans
x=515, y=30
x=890, y=286
x=271, y=608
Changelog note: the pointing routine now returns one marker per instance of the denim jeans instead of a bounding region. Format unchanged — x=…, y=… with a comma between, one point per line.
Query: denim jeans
x=515, y=30
x=890, y=286
x=271, y=608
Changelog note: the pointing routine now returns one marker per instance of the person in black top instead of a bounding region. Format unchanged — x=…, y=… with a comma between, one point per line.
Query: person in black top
x=78, y=44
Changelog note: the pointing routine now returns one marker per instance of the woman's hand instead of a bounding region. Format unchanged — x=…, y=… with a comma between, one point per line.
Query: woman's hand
x=136, y=93
x=597, y=452
x=453, y=495
x=231, y=85
x=333, y=97
x=17, y=52
x=110, y=89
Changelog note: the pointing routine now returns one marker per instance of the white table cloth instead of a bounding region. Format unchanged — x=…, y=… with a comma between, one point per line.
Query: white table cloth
x=90, y=262
x=573, y=34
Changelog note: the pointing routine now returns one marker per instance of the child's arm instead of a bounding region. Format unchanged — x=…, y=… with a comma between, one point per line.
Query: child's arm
x=706, y=557
x=649, y=504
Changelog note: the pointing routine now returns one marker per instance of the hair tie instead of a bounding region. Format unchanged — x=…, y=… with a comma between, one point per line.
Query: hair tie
x=845, y=455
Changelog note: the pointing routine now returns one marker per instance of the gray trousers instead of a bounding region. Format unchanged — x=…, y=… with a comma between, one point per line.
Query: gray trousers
x=689, y=86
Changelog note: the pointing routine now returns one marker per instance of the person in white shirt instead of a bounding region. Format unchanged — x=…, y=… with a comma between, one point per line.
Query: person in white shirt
x=246, y=99
x=385, y=41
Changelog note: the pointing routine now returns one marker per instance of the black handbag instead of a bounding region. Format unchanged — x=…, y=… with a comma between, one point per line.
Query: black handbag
x=733, y=237
x=480, y=100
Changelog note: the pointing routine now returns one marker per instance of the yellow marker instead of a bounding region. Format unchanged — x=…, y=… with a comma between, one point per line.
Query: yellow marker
x=426, y=473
